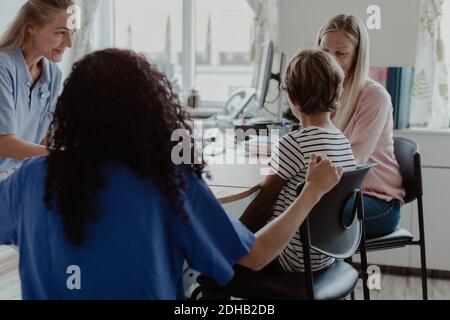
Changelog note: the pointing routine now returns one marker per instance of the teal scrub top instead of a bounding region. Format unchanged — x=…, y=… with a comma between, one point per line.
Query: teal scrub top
x=25, y=112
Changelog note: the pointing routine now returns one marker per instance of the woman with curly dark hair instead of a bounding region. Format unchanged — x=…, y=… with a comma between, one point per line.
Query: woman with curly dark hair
x=108, y=215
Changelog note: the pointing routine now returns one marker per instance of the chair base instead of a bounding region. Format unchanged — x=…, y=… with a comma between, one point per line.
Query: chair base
x=334, y=283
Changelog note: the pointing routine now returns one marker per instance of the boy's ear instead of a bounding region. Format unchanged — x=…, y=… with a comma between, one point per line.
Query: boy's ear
x=296, y=109
x=292, y=103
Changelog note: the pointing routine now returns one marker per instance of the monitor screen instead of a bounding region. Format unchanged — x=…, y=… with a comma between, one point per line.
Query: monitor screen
x=264, y=74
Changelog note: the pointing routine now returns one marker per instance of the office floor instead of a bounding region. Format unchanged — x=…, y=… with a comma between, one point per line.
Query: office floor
x=9, y=275
x=396, y=287
x=393, y=287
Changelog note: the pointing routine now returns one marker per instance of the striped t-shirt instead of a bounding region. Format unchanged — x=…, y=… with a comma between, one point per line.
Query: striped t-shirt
x=290, y=160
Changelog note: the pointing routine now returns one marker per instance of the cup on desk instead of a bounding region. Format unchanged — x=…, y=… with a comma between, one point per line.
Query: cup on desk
x=194, y=99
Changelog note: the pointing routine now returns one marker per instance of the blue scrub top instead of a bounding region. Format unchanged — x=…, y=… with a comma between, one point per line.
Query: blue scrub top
x=25, y=112
x=135, y=250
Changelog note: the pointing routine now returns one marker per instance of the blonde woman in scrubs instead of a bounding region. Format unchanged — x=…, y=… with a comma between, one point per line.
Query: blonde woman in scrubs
x=30, y=79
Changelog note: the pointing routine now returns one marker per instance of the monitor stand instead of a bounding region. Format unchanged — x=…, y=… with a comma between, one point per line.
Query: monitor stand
x=235, y=118
x=246, y=96
x=249, y=99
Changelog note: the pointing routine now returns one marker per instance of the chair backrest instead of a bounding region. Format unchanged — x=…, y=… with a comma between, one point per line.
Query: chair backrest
x=327, y=232
x=408, y=158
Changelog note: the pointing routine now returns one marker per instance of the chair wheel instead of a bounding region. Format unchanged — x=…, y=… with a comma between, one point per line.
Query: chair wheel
x=205, y=293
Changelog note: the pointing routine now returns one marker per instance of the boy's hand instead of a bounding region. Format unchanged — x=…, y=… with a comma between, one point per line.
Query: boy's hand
x=322, y=175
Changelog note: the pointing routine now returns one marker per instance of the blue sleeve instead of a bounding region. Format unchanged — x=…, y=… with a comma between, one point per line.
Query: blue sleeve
x=9, y=205
x=7, y=111
x=211, y=241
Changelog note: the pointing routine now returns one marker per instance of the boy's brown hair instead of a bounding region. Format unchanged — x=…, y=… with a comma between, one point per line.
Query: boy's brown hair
x=314, y=81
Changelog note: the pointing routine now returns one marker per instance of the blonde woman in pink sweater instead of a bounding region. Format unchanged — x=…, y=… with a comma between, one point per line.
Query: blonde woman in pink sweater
x=365, y=118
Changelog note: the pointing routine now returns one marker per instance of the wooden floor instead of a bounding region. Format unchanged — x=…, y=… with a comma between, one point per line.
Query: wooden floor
x=396, y=287
x=393, y=287
x=9, y=274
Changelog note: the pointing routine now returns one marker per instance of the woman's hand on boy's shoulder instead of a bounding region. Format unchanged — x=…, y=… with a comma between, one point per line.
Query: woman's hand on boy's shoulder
x=322, y=175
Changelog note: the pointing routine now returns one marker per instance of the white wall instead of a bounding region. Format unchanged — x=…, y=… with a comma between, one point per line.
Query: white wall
x=103, y=39
x=393, y=45
x=8, y=9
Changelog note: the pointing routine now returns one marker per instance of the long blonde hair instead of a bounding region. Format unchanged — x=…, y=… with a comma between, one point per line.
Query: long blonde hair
x=33, y=12
x=355, y=30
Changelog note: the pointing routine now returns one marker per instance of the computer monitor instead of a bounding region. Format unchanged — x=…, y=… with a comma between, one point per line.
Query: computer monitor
x=264, y=74
x=256, y=97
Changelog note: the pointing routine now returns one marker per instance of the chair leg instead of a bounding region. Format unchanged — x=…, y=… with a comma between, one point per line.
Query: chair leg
x=306, y=242
x=365, y=277
x=423, y=258
x=362, y=248
x=423, y=271
x=350, y=261
x=419, y=192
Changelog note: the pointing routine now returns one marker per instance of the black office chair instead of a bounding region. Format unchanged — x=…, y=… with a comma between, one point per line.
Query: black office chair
x=324, y=231
x=408, y=159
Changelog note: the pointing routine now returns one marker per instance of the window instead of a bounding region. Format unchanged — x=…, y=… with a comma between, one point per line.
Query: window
x=223, y=47
x=221, y=39
x=445, y=35
x=153, y=28
x=445, y=31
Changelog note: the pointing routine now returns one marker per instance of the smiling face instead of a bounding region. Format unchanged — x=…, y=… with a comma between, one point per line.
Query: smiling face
x=339, y=45
x=52, y=39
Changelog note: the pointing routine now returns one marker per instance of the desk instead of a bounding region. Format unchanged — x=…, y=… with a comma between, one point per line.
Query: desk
x=236, y=181
x=232, y=194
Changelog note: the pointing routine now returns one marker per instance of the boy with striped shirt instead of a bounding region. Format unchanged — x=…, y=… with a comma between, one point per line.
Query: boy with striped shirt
x=314, y=85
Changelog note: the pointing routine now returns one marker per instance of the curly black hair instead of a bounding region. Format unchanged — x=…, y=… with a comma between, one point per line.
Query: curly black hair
x=115, y=106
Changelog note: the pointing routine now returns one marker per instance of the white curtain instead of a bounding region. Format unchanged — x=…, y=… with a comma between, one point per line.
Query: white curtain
x=84, y=38
x=266, y=27
x=429, y=102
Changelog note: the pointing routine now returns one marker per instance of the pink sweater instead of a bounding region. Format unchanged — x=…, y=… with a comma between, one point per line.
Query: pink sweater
x=370, y=132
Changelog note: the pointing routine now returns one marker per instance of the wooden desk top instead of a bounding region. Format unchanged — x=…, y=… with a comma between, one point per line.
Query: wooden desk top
x=232, y=194
x=233, y=182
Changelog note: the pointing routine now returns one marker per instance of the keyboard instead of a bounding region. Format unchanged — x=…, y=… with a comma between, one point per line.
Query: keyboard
x=202, y=113
x=254, y=121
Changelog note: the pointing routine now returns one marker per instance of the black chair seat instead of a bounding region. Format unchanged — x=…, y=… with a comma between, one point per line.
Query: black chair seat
x=334, y=283
x=398, y=238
